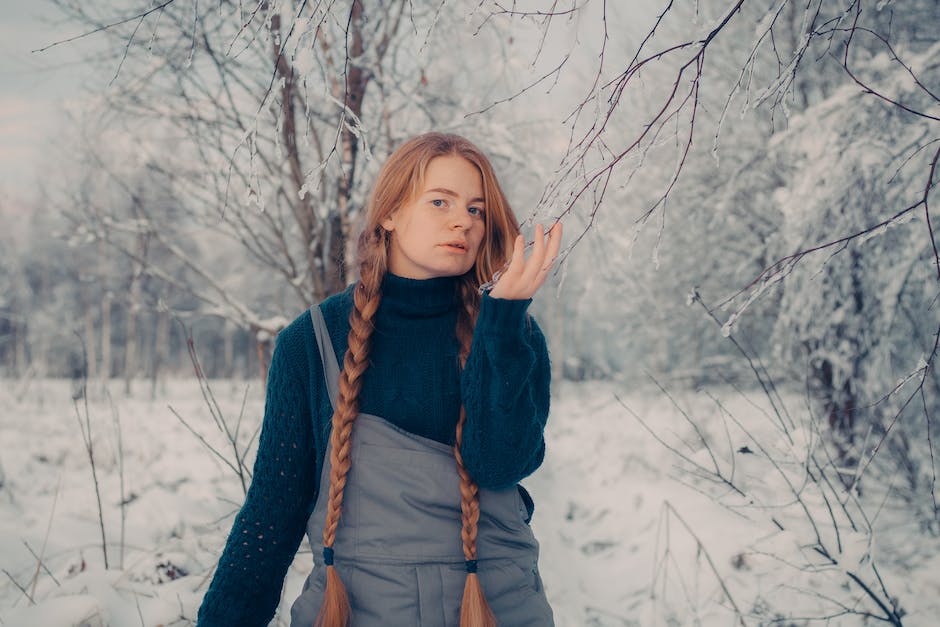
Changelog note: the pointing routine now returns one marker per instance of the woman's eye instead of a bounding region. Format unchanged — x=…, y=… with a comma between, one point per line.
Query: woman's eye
x=477, y=211
x=438, y=202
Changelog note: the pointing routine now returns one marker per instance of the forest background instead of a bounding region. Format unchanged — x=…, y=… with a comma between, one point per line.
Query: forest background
x=745, y=186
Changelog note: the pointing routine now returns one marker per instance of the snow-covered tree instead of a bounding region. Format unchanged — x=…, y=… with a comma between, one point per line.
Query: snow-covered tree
x=857, y=314
x=263, y=119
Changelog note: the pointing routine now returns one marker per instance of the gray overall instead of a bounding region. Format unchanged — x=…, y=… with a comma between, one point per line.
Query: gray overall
x=398, y=548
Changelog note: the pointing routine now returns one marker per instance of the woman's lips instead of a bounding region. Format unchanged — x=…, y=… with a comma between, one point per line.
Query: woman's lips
x=455, y=247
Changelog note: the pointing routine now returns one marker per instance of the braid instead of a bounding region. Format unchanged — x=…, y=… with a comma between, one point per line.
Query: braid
x=474, y=610
x=335, y=610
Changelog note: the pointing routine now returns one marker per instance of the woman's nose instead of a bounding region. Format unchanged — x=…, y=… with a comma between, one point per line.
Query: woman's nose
x=462, y=219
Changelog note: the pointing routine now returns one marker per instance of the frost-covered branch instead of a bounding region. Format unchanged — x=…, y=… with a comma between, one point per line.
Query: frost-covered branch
x=682, y=91
x=851, y=32
x=110, y=25
x=808, y=519
x=239, y=451
x=272, y=109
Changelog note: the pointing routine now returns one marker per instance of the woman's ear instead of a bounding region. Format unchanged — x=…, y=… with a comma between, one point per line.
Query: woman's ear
x=389, y=222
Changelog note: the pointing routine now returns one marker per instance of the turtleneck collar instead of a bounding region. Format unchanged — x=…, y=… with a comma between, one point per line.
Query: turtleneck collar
x=419, y=297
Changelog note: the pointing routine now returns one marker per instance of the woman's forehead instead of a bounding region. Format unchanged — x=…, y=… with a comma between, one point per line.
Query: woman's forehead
x=454, y=175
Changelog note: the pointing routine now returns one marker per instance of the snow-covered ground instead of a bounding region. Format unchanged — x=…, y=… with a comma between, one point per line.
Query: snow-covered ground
x=628, y=537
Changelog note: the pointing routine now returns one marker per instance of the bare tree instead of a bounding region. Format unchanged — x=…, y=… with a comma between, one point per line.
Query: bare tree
x=800, y=56
x=262, y=120
x=841, y=244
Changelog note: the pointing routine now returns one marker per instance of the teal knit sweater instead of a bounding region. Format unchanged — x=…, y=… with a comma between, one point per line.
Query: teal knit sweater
x=413, y=381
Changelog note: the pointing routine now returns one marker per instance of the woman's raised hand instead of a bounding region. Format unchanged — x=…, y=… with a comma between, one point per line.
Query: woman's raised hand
x=524, y=276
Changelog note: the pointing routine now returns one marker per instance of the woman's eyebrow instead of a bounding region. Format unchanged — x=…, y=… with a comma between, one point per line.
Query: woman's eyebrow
x=451, y=193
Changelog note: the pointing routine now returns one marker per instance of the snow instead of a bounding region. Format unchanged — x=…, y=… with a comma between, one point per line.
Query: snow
x=629, y=536
x=64, y=611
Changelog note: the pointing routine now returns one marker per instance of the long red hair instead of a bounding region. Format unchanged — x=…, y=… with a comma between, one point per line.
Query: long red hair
x=399, y=181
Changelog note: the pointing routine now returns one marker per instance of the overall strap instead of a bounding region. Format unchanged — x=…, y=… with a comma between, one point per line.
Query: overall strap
x=327, y=355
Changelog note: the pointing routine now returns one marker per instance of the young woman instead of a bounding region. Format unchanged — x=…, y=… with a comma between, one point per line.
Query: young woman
x=403, y=465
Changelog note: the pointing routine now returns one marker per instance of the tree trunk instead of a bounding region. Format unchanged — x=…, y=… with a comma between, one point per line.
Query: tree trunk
x=105, y=373
x=20, y=348
x=130, y=342
x=265, y=346
x=228, y=355
x=160, y=350
x=90, y=344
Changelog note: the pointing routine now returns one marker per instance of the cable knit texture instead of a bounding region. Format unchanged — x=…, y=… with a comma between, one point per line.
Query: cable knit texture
x=415, y=382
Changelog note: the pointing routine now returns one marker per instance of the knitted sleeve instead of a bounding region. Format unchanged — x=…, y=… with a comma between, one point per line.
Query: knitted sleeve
x=247, y=584
x=505, y=390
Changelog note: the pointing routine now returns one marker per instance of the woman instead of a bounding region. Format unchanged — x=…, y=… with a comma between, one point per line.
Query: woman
x=404, y=466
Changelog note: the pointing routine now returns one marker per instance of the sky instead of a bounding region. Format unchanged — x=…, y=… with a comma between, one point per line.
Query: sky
x=35, y=89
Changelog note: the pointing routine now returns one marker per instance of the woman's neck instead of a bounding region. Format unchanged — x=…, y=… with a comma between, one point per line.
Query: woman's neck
x=419, y=297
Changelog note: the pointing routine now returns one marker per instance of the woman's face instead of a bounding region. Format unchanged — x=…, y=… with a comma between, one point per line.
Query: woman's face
x=438, y=233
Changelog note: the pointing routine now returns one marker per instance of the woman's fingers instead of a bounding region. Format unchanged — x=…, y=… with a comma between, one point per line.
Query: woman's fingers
x=534, y=263
x=506, y=285
x=524, y=276
x=549, y=254
x=554, y=245
x=517, y=263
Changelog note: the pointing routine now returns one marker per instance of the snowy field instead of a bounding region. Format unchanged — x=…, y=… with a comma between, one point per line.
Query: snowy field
x=628, y=537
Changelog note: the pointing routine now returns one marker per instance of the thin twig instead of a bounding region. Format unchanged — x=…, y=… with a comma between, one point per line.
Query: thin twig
x=21, y=588
x=739, y=615
x=139, y=16
x=45, y=539
x=205, y=443
x=120, y=450
x=42, y=563
x=89, y=447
